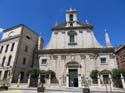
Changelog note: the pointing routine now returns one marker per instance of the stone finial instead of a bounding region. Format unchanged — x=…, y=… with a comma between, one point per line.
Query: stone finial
x=86, y=21
x=56, y=24
x=70, y=9
x=107, y=39
x=39, y=42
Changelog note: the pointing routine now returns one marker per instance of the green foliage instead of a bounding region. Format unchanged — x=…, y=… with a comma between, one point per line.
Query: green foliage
x=94, y=74
x=4, y=82
x=122, y=70
x=42, y=72
x=33, y=72
x=50, y=72
x=115, y=73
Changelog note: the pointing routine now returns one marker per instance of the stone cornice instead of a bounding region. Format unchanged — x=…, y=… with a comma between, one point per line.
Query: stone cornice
x=73, y=28
x=10, y=38
x=76, y=50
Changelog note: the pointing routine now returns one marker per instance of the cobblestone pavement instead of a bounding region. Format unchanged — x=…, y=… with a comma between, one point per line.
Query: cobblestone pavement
x=34, y=91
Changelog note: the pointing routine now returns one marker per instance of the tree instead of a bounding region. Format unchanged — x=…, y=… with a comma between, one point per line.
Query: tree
x=34, y=72
x=50, y=72
x=122, y=71
x=115, y=73
x=94, y=74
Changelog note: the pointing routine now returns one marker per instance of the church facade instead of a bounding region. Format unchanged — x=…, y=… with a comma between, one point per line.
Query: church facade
x=73, y=52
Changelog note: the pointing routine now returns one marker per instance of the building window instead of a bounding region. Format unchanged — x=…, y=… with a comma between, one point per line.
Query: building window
x=6, y=48
x=28, y=37
x=71, y=24
x=103, y=60
x=123, y=56
x=72, y=38
x=44, y=61
x=24, y=61
x=21, y=77
x=9, y=60
x=12, y=47
x=0, y=73
x=71, y=17
x=3, y=61
x=5, y=75
x=1, y=49
x=26, y=48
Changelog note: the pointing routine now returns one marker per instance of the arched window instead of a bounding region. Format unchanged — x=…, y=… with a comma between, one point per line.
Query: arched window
x=71, y=17
x=9, y=60
x=3, y=61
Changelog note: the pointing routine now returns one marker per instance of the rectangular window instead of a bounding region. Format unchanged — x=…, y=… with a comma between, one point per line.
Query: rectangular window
x=103, y=60
x=12, y=47
x=123, y=56
x=72, y=40
x=24, y=61
x=26, y=48
x=3, y=60
x=44, y=61
x=6, y=48
x=0, y=73
x=5, y=75
x=1, y=49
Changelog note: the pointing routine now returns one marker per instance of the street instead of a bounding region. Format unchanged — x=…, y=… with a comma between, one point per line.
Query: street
x=47, y=91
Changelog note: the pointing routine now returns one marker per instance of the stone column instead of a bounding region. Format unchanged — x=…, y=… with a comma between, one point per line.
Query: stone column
x=123, y=82
x=79, y=80
x=38, y=80
x=67, y=78
x=99, y=83
x=60, y=81
x=18, y=82
x=11, y=76
x=101, y=78
x=28, y=83
x=79, y=77
x=49, y=80
x=2, y=75
x=111, y=82
x=10, y=80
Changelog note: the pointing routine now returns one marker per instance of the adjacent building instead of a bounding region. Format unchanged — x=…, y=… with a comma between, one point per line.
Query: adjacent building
x=120, y=55
x=17, y=48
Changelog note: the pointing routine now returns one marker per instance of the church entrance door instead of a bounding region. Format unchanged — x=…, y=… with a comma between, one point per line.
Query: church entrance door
x=73, y=78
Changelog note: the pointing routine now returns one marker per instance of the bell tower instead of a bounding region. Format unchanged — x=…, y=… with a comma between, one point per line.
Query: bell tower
x=71, y=15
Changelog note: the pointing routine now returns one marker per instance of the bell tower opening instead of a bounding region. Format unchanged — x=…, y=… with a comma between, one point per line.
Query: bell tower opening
x=71, y=15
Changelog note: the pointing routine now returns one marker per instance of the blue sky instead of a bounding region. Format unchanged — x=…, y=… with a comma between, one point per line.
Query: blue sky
x=41, y=15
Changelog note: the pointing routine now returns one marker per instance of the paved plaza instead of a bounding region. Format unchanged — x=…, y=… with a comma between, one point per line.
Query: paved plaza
x=55, y=91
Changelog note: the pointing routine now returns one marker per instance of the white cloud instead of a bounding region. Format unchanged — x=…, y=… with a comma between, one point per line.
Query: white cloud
x=1, y=30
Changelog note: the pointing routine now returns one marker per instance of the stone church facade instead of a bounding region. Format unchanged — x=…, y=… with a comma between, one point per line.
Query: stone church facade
x=72, y=53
